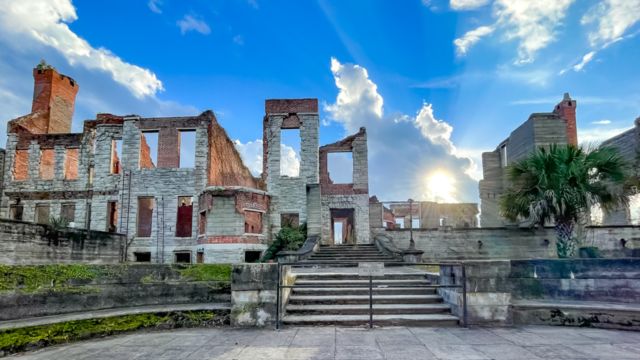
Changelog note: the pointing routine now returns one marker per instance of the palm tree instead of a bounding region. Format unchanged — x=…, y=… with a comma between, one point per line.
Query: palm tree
x=560, y=184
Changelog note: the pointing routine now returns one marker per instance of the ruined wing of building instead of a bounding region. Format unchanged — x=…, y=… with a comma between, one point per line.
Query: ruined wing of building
x=130, y=175
x=540, y=130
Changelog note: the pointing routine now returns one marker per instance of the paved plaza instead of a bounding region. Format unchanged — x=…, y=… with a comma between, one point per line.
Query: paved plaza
x=305, y=343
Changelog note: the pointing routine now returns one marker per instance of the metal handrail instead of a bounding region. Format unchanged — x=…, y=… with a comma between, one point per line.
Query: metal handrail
x=281, y=286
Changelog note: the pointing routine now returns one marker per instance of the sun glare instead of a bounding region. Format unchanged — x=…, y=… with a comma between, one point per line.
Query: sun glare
x=441, y=187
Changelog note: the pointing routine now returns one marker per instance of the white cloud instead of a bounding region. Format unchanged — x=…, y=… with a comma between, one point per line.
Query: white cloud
x=470, y=38
x=585, y=60
x=579, y=66
x=436, y=131
x=358, y=96
x=154, y=5
x=30, y=23
x=532, y=23
x=613, y=19
x=411, y=148
x=467, y=4
x=251, y=154
x=191, y=23
x=601, y=122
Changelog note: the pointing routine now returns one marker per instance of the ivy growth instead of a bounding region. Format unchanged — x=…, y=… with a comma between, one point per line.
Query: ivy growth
x=290, y=237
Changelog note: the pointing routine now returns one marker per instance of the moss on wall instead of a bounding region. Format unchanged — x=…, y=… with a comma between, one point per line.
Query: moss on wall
x=76, y=277
x=205, y=272
x=15, y=340
x=33, y=278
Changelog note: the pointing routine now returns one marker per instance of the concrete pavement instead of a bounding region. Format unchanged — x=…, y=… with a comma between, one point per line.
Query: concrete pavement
x=335, y=343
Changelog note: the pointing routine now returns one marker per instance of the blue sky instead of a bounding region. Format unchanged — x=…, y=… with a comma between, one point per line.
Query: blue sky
x=435, y=82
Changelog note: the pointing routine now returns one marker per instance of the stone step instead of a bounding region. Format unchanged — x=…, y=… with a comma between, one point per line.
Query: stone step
x=352, y=261
x=397, y=319
x=360, y=309
x=363, y=299
x=364, y=290
x=348, y=254
x=354, y=276
x=348, y=283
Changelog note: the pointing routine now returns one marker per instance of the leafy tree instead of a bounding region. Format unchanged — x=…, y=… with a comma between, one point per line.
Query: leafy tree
x=560, y=184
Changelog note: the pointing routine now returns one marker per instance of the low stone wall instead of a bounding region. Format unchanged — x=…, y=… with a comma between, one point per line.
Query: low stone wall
x=254, y=294
x=40, y=290
x=496, y=287
x=29, y=243
x=512, y=243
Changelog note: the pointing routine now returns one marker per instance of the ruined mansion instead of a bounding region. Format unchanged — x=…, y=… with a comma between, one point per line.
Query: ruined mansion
x=171, y=205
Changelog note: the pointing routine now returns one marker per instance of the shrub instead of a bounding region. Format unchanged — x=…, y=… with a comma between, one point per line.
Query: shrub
x=288, y=238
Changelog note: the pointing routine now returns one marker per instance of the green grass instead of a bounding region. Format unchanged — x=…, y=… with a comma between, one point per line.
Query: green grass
x=33, y=278
x=206, y=272
x=15, y=340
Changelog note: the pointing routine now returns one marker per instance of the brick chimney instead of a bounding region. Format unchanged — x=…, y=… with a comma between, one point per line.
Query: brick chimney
x=566, y=109
x=54, y=96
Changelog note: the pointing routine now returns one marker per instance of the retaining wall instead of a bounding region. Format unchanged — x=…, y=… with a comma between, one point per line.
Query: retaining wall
x=31, y=291
x=29, y=243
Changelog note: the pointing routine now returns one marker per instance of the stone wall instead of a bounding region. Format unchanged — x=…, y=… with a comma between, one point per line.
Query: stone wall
x=253, y=294
x=628, y=145
x=29, y=243
x=512, y=243
x=541, y=129
x=496, y=288
x=58, y=289
x=289, y=194
x=353, y=196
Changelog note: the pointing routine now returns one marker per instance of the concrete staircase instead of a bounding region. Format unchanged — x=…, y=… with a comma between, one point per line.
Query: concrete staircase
x=337, y=295
x=350, y=253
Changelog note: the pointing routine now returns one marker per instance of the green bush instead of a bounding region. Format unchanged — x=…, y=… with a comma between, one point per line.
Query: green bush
x=289, y=238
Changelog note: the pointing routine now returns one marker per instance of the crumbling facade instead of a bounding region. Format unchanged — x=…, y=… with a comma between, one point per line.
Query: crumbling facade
x=172, y=206
x=135, y=176
x=541, y=129
x=425, y=214
x=348, y=203
x=628, y=146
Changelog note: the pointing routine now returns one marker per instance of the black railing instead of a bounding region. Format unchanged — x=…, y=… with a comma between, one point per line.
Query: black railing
x=461, y=284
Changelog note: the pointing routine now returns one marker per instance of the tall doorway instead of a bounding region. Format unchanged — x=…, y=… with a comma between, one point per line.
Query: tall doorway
x=342, y=227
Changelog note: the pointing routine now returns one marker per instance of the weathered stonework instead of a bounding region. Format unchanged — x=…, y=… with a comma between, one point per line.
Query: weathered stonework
x=289, y=194
x=354, y=197
x=540, y=130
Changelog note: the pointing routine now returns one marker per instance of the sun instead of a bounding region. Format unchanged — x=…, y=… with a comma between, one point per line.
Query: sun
x=441, y=187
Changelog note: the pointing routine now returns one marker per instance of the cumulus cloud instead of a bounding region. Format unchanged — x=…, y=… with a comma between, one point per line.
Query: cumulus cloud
x=154, y=5
x=251, y=154
x=467, y=4
x=25, y=23
x=613, y=18
x=191, y=23
x=404, y=150
x=470, y=38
